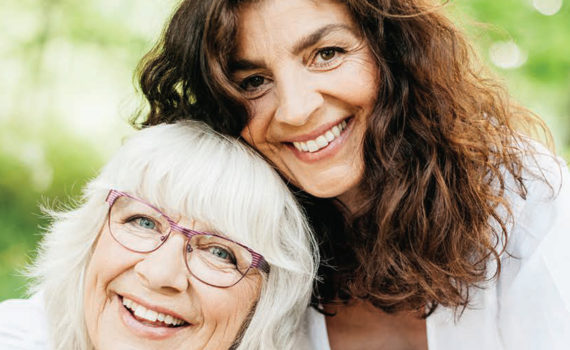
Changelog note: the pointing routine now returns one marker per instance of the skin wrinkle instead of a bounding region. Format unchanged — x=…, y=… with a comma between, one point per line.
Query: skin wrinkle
x=156, y=287
x=342, y=36
x=438, y=116
x=289, y=71
x=244, y=325
x=303, y=44
x=183, y=166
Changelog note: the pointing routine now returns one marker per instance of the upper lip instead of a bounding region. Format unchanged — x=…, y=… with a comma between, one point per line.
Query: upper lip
x=316, y=132
x=156, y=308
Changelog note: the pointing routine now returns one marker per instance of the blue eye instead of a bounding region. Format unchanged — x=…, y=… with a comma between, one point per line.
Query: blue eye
x=221, y=253
x=146, y=223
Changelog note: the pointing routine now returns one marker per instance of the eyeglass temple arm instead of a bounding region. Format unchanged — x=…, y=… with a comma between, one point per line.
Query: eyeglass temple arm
x=112, y=196
x=259, y=262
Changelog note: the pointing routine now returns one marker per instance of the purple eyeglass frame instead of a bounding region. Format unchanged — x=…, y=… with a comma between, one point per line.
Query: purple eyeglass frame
x=257, y=261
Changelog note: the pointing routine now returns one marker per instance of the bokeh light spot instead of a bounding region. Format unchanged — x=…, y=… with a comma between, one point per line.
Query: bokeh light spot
x=507, y=55
x=547, y=7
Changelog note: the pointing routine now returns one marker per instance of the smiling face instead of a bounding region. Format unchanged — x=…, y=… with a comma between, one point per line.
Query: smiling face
x=158, y=286
x=312, y=83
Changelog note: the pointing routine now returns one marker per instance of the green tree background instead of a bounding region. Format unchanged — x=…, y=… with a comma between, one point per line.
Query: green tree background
x=66, y=92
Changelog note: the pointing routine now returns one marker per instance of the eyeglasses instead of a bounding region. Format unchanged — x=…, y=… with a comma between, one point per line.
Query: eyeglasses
x=214, y=260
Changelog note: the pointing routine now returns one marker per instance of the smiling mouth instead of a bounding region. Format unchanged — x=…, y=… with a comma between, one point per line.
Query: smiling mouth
x=323, y=140
x=150, y=317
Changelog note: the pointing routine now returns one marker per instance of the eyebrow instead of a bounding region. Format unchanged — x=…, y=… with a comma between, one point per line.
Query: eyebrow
x=302, y=44
x=317, y=35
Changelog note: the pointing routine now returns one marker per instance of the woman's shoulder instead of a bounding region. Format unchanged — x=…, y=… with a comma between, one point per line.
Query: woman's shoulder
x=542, y=168
x=542, y=209
x=534, y=284
x=312, y=334
x=23, y=324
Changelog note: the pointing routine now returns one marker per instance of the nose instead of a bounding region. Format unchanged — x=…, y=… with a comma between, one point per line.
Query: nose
x=299, y=97
x=164, y=269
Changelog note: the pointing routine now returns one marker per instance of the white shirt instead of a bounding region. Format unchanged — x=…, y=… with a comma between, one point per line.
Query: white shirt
x=23, y=324
x=528, y=306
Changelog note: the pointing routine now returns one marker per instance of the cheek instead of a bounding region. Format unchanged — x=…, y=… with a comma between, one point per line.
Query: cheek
x=361, y=83
x=229, y=308
x=107, y=263
x=248, y=133
x=257, y=128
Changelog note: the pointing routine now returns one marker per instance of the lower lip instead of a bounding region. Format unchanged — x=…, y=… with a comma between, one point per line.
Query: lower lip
x=328, y=151
x=142, y=330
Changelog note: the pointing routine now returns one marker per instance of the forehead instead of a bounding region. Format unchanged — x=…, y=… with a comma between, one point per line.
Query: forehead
x=279, y=25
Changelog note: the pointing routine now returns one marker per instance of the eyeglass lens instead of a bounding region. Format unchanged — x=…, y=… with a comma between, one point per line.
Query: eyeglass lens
x=212, y=259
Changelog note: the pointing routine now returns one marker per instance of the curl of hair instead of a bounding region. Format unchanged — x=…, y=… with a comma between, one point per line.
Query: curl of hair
x=185, y=76
x=210, y=178
x=441, y=143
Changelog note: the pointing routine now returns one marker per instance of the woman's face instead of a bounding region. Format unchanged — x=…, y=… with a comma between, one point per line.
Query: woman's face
x=312, y=82
x=210, y=317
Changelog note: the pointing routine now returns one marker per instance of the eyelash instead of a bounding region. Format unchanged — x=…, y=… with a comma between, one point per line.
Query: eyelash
x=253, y=94
x=258, y=92
x=334, y=61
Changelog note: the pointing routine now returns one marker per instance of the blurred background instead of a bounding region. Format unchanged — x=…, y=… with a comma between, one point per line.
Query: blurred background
x=67, y=92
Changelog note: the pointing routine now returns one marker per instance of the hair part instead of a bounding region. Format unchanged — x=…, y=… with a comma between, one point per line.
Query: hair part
x=202, y=175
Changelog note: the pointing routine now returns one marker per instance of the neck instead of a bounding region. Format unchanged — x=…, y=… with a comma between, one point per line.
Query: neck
x=360, y=325
x=350, y=199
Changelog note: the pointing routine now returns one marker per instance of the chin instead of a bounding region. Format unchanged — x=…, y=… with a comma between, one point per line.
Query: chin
x=331, y=190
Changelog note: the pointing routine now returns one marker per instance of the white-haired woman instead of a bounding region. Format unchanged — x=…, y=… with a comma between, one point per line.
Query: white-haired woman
x=186, y=240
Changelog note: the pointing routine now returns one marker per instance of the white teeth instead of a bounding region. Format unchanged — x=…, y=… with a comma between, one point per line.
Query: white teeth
x=336, y=131
x=312, y=146
x=140, y=311
x=322, y=140
x=169, y=319
x=150, y=315
x=127, y=302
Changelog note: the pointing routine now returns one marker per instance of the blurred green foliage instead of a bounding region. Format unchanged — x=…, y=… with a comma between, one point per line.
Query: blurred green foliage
x=66, y=91
x=65, y=85
x=69, y=164
x=542, y=82
x=35, y=170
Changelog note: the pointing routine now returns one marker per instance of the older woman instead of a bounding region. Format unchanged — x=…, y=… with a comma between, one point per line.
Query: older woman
x=186, y=240
x=377, y=111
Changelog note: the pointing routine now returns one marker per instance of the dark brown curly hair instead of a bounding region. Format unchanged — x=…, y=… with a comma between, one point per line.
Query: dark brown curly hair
x=442, y=142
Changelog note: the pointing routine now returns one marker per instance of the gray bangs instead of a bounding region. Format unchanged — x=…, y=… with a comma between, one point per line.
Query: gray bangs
x=188, y=170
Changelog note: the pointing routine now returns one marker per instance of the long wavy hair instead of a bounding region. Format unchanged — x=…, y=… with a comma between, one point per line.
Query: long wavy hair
x=443, y=141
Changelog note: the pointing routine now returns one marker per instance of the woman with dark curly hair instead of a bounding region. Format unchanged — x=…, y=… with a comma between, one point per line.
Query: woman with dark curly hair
x=441, y=219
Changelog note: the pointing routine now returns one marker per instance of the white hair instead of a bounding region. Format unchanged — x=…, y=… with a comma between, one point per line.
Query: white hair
x=204, y=176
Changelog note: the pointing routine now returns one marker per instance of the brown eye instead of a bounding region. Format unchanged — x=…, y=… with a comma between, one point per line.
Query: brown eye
x=327, y=54
x=253, y=82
